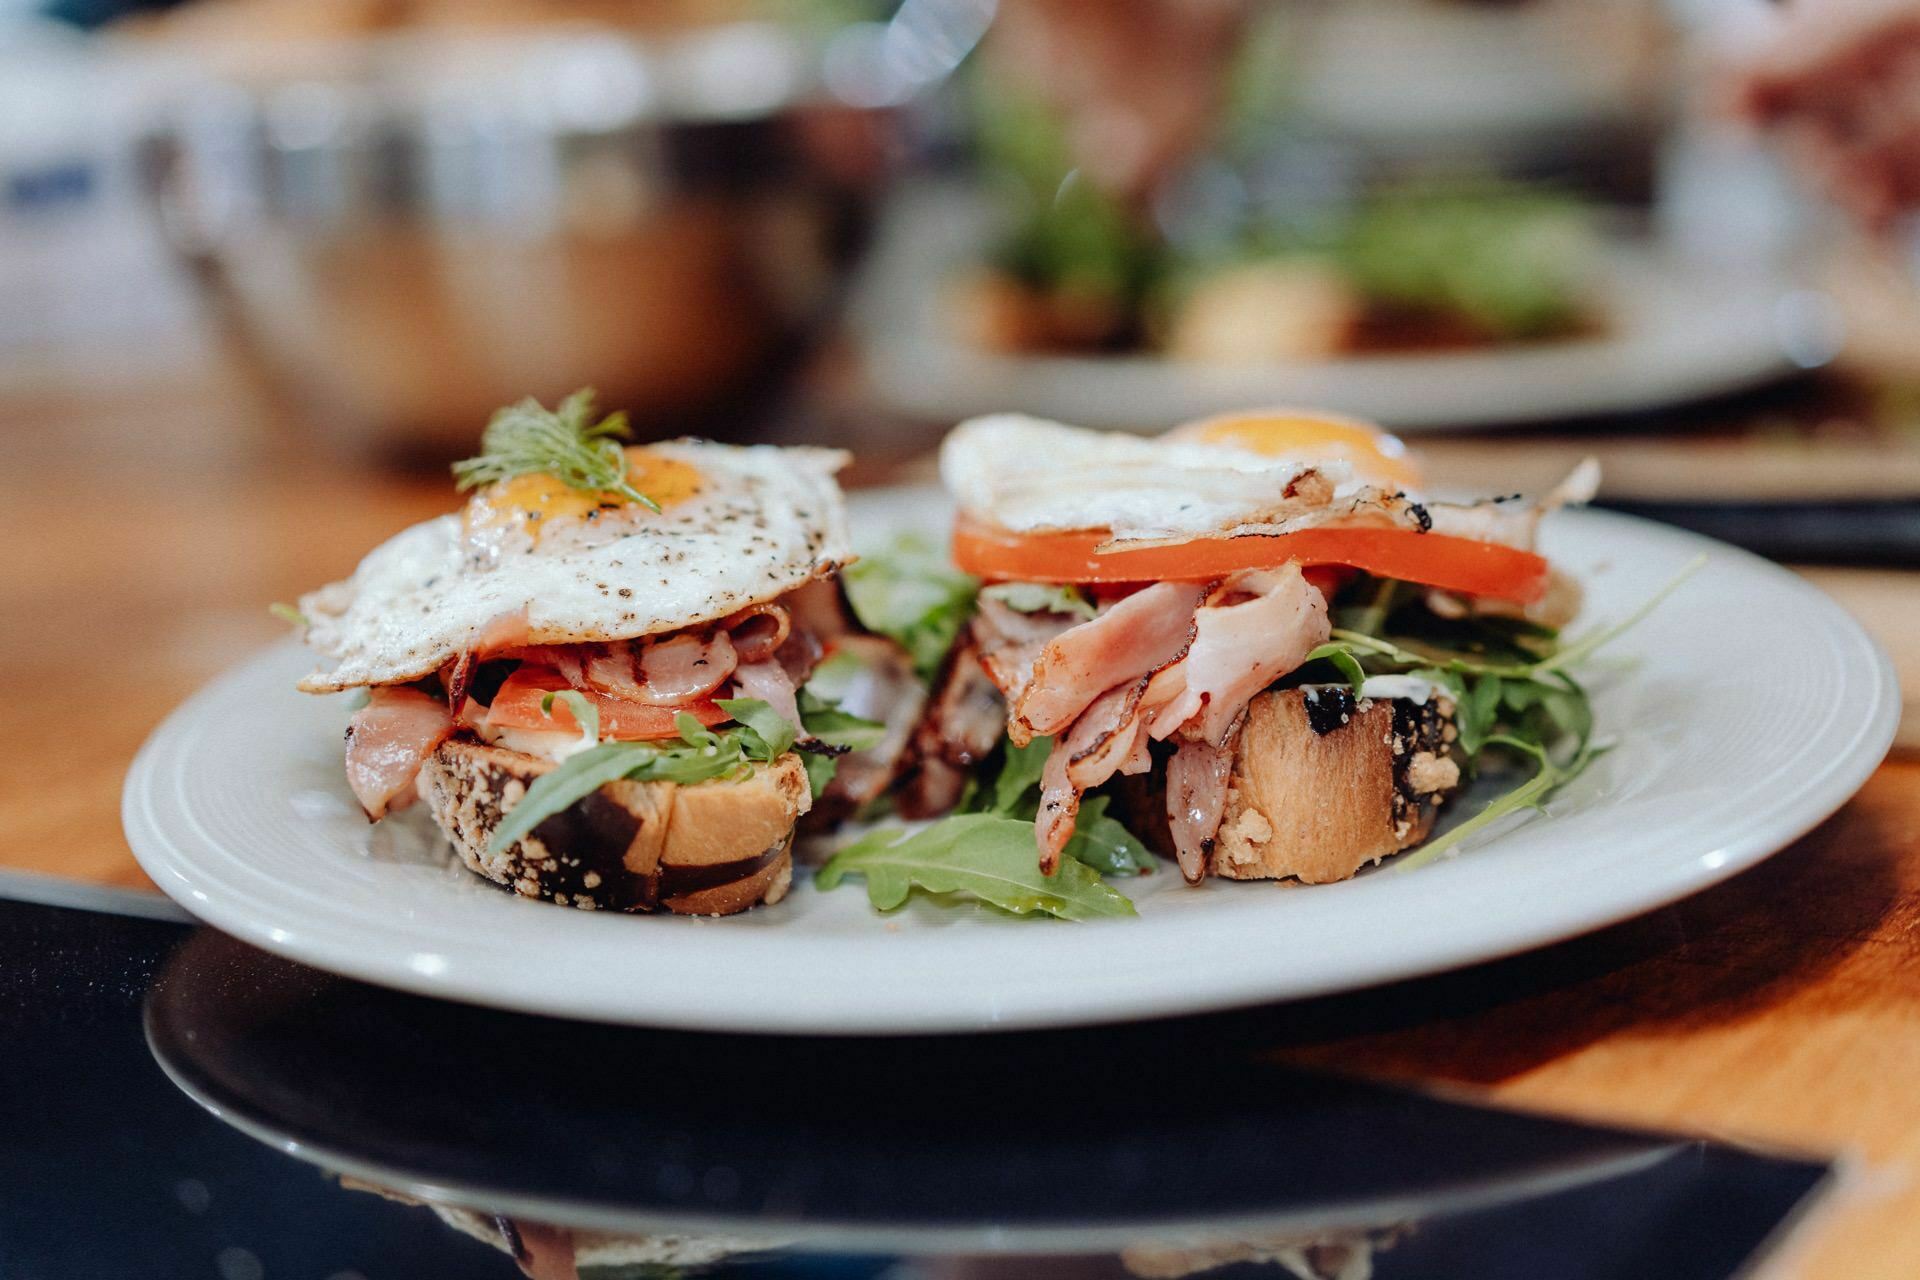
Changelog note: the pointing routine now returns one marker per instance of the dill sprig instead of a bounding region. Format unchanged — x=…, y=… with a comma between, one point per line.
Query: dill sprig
x=565, y=443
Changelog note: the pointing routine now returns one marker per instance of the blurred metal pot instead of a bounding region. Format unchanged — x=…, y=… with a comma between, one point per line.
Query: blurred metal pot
x=411, y=230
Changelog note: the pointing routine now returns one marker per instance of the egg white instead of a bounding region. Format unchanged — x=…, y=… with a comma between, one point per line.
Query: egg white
x=766, y=520
x=1029, y=475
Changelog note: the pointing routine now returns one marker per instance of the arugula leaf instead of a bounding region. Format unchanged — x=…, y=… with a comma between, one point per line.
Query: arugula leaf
x=836, y=676
x=983, y=856
x=585, y=714
x=910, y=594
x=289, y=615
x=1019, y=774
x=1547, y=778
x=826, y=721
x=701, y=755
x=820, y=770
x=1342, y=657
x=1511, y=688
x=572, y=780
x=1040, y=597
x=774, y=734
x=1105, y=845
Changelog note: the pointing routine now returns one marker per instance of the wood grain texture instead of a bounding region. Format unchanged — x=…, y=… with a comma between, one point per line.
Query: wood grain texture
x=1783, y=1007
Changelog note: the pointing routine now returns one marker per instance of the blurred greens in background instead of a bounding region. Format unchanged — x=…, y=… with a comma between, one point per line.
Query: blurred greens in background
x=1442, y=259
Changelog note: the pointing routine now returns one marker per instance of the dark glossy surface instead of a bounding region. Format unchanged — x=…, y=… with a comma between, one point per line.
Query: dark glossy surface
x=1129, y=1149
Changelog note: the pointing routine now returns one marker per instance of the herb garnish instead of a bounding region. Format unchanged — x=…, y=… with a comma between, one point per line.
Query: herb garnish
x=289, y=614
x=565, y=443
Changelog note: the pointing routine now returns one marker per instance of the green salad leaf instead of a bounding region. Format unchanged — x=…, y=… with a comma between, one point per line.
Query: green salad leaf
x=825, y=720
x=984, y=856
x=1019, y=776
x=1512, y=689
x=986, y=850
x=775, y=732
x=585, y=714
x=910, y=594
x=820, y=771
x=1105, y=844
x=700, y=755
x=1041, y=597
x=1548, y=776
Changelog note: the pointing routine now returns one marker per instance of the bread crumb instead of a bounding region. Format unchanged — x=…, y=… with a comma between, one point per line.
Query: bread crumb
x=1427, y=773
x=1251, y=826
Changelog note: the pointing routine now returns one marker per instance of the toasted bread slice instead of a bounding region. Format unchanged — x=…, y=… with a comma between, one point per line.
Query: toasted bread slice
x=711, y=849
x=1323, y=784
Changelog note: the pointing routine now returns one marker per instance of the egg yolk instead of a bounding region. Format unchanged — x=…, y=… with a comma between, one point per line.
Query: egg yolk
x=531, y=502
x=1374, y=454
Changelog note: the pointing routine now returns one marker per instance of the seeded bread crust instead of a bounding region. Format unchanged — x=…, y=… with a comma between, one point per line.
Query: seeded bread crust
x=1324, y=784
x=711, y=849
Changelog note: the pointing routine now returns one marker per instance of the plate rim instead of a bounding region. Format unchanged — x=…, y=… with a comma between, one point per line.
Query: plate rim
x=198, y=888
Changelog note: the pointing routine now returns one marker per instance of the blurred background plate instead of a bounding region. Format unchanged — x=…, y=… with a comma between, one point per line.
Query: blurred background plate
x=1673, y=330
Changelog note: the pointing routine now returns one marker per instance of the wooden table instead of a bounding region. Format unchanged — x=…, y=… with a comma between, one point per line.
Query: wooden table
x=144, y=539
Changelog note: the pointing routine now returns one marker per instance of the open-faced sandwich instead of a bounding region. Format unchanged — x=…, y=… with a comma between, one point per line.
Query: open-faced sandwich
x=1247, y=643
x=593, y=673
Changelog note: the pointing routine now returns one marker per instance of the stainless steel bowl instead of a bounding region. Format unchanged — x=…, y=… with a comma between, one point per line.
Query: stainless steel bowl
x=416, y=229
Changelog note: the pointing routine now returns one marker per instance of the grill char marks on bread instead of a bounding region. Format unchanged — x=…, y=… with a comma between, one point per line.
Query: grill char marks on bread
x=715, y=848
x=1322, y=785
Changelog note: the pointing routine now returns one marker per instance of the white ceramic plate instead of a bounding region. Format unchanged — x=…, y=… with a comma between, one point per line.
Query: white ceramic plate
x=1756, y=708
x=1678, y=331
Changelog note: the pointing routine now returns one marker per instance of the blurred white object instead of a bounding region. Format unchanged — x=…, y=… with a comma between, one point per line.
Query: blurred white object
x=1410, y=74
x=81, y=270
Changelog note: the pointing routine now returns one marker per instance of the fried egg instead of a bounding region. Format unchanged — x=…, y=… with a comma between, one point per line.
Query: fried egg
x=547, y=564
x=1028, y=476
x=1259, y=473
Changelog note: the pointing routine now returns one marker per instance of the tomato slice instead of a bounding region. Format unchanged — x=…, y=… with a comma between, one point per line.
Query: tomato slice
x=1432, y=559
x=517, y=706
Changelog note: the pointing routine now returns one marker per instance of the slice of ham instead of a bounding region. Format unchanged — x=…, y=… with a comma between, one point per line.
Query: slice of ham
x=1100, y=742
x=1135, y=637
x=682, y=668
x=1197, y=778
x=758, y=631
x=1059, y=807
x=499, y=637
x=387, y=742
x=1103, y=738
x=610, y=669
x=886, y=690
x=1010, y=642
x=965, y=719
x=769, y=682
x=1255, y=627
